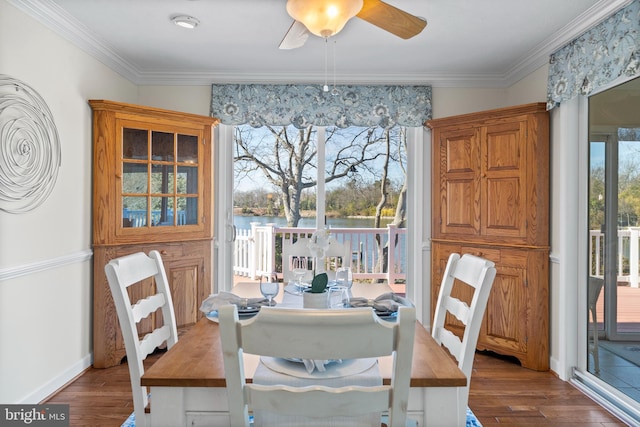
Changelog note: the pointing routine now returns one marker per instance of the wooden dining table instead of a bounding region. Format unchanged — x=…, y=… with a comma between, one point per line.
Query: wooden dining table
x=187, y=384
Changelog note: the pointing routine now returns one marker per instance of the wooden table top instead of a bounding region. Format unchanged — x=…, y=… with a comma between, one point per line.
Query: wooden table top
x=196, y=361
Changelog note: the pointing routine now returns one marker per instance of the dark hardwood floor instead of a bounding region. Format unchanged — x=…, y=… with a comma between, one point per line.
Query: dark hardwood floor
x=502, y=394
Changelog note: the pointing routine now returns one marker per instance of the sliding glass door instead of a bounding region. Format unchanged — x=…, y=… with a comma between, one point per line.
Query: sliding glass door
x=614, y=237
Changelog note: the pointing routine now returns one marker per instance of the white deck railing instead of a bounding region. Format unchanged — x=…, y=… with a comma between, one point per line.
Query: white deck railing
x=628, y=255
x=257, y=250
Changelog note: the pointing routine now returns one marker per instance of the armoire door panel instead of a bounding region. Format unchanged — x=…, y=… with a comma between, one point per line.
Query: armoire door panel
x=461, y=212
x=184, y=291
x=504, y=146
x=460, y=151
x=506, y=315
x=504, y=181
x=504, y=214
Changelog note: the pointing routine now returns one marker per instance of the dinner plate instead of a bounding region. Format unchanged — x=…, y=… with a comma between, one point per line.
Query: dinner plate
x=388, y=315
x=334, y=370
x=243, y=313
x=298, y=360
x=248, y=310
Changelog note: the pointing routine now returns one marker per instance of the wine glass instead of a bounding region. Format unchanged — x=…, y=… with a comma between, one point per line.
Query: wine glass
x=344, y=277
x=338, y=297
x=299, y=270
x=269, y=290
x=299, y=273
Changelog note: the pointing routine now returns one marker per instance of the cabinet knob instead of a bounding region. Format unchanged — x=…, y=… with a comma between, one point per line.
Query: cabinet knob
x=163, y=252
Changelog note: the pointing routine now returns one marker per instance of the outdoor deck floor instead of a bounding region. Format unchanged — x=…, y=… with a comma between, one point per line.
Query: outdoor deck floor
x=628, y=309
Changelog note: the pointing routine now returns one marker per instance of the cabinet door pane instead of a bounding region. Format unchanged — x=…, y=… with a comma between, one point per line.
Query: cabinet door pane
x=162, y=179
x=135, y=144
x=187, y=210
x=134, y=211
x=187, y=149
x=162, y=146
x=162, y=211
x=134, y=178
x=187, y=180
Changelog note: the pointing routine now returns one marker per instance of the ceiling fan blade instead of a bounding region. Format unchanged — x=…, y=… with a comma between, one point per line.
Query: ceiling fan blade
x=391, y=19
x=296, y=36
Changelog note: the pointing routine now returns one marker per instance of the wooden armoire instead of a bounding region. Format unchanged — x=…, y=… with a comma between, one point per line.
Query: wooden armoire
x=152, y=189
x=490, y=197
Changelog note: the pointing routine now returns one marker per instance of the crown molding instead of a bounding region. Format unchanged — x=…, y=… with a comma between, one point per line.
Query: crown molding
x=58, y=20
x=240, y=77
x=62, y=23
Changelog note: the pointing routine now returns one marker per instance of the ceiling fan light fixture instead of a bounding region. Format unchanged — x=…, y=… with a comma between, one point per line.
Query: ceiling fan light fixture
x=185, y=21
x=324, y=18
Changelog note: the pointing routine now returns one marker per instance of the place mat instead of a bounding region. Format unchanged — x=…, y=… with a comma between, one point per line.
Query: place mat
x=332, y=370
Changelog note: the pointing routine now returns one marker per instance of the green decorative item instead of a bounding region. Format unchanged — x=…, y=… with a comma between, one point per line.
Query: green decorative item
x=319, y=283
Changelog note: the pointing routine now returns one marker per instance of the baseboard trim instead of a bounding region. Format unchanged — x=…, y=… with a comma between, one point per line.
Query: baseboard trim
x=49, y=264
x=52, y=387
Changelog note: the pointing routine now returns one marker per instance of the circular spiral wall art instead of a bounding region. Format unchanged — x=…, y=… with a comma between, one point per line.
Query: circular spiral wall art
x=30, y=154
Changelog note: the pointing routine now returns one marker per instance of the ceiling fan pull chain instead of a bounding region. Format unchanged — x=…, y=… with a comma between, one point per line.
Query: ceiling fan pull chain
x=334, y=91
x=325, y=88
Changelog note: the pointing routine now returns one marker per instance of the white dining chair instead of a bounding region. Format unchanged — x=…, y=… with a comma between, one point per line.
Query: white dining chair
x=479, y=274
x=317, y=335
x=148, y=272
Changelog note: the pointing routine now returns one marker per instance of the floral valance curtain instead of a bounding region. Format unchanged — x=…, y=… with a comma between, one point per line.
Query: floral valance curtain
x=607, y=51
x=304, y=105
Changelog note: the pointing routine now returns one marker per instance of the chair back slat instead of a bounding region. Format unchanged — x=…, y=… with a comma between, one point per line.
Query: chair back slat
x=153, y=340
x=457, y=308
x=352, y=401
x=271, y=327
x=144, y=307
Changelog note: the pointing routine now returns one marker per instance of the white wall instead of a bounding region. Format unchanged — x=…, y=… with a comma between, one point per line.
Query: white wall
x=449, y=101
x=532, y=88
x=45, y=254
x=188, y=99
x=454, y=101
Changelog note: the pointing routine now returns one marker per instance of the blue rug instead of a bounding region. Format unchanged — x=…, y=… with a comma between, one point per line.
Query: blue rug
x=472, y=421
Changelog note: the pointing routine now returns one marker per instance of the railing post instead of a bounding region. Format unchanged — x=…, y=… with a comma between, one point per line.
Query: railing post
x=633, y=257
x=391, y=253
x=594, y=253
x=253, y=250
x=270, y=247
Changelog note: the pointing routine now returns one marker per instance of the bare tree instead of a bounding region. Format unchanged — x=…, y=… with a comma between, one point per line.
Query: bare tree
x=400, y=142
x=287, y=158
x=400, y=219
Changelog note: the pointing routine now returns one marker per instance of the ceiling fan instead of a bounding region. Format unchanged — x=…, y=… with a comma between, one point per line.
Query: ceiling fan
x=325, y=18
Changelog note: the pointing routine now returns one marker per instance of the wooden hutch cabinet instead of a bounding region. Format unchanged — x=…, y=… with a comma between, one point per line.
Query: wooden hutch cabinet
x=152, y=189
x=490, y=197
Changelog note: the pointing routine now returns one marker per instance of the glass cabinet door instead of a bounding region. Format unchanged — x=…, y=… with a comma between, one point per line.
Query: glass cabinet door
x=160, y=178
